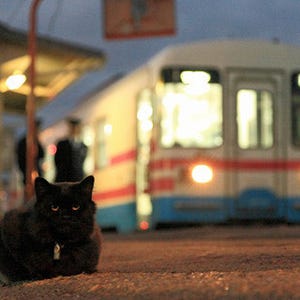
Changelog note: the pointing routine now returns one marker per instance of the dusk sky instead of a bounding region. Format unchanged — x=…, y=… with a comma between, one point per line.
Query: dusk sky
x=80, y=22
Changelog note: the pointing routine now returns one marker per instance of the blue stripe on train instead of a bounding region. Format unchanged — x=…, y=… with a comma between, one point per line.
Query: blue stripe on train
x=191, y=209
x=252, y=204
x=259, y=203
x=121, y=217
x=292, y=210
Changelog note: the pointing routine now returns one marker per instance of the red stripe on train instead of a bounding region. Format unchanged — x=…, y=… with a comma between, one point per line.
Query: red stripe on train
x=127, y=191
x=250, y=164
x=167, y=183
x=157, y=185
x=123, y=157
x=162, y=184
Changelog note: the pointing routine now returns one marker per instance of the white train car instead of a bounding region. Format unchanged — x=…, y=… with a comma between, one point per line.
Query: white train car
x=203, y=132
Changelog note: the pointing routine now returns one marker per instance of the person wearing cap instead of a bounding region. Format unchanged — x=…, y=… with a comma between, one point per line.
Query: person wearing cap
x=39, y=153
x=70, y=155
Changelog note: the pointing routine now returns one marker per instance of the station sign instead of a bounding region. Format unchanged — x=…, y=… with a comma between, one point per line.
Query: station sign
x=125, y=19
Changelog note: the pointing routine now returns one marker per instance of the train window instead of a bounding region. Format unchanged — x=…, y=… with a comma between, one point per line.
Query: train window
x=144, y=117
x=88, y=137
x=254, y=119
x=144, y=134
x=191, y=109
x=296, y=108
x=103, y=130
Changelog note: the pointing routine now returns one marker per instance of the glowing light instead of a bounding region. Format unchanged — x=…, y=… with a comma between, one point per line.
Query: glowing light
x=108, y=129
x=15, y=81
x=246, y=105
x=202, y=173
x=144, y=225
x=194, y=77
x=52, y=149
x=197, y=82
x=147, y=125
x=145, y=112
x=200, y=89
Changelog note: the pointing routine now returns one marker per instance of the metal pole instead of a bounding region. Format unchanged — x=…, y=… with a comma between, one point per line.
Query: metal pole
x=30, y=104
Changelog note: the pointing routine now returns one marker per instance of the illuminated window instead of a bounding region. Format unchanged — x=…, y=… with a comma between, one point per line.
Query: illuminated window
x=191, y=109
x=88, y=137
x=144, y=134
x=144, y=117
x=295, y=82
x=254, y=119
x=103, y=130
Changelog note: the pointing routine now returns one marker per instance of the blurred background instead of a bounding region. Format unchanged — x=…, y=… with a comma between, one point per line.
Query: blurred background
x=86, y=46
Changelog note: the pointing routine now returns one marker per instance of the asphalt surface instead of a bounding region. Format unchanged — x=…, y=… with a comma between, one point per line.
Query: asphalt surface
x=213, y=262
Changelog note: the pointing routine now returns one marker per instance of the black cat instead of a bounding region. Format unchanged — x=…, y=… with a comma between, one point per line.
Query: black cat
x=57, y=235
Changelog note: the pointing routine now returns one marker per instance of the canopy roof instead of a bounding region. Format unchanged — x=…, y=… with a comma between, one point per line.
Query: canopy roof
x=58, y=64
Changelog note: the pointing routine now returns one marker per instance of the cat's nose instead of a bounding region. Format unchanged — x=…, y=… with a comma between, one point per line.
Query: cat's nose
x=66, y=217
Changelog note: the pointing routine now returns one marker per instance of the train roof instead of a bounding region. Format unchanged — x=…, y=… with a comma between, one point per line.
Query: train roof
x=231, y=53
x=218, y=54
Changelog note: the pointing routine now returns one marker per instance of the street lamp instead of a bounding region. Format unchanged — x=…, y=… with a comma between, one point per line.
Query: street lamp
x=14, y=81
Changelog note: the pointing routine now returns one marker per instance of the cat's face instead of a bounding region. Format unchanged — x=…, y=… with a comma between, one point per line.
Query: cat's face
x=67, y=207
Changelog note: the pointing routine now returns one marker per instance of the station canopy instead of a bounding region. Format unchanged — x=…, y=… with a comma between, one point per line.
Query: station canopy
x=58, y=65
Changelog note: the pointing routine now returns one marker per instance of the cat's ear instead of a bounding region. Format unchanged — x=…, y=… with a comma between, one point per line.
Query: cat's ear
x=87, y=185
x=41, y=186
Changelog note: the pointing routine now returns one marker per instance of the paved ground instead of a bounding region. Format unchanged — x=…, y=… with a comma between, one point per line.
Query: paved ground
x=215, y=262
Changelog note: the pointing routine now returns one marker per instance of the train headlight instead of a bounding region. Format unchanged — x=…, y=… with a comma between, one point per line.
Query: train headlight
x=202, y=173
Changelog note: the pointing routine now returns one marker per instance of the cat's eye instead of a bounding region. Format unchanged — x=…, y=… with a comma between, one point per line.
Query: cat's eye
x=54, y=208
x=75, y=207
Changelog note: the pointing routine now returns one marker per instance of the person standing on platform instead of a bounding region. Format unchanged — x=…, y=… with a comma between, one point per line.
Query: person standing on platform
x=70, y=154
x=39, y=153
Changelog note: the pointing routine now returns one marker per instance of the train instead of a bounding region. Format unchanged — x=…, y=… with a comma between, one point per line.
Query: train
x=205, y=132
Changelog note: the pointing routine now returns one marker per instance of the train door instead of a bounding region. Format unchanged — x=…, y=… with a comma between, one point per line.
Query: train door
x=293, y=152
x=257, y=180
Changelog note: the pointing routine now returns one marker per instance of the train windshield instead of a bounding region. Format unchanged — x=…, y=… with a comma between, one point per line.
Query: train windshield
x=191, y=109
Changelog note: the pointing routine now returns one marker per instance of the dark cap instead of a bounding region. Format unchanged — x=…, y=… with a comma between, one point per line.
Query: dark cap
x=73, y=121
x=38, y=122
